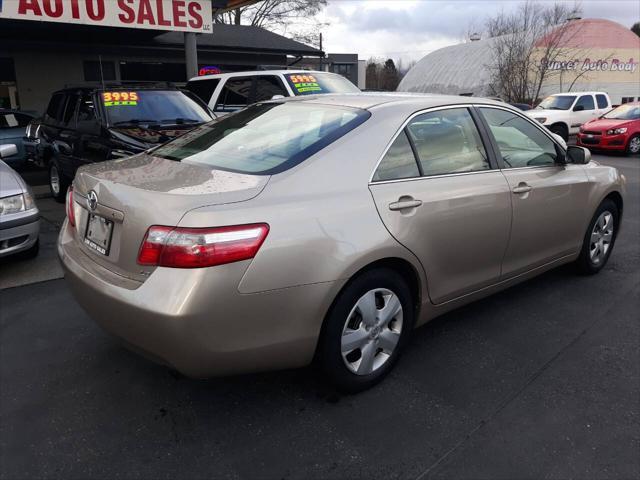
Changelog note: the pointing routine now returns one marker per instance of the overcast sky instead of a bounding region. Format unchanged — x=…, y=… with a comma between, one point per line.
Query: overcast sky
x=411, y=29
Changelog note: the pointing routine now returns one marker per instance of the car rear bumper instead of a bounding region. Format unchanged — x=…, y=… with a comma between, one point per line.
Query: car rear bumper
x=18, y=236
x=195, y=320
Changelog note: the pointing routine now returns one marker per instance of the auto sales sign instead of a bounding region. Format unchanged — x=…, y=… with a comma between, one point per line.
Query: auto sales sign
x=177, y=15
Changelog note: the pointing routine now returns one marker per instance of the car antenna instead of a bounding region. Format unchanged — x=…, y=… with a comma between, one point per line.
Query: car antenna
x=101, y=73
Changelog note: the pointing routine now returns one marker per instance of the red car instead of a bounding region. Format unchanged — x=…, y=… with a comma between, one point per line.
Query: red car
x=617, y=130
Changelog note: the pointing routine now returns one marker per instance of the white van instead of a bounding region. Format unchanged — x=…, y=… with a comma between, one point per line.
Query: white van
x=228, y=92
x=563, y=113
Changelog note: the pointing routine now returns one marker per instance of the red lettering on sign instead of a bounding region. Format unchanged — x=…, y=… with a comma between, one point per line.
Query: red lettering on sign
x=145, y=13
x=128, y=15
x=32, y=5
x=75, y=10
x=52, y=8
x=178, y=13
x=194, y=11
x=161, y=20
x=95, y=13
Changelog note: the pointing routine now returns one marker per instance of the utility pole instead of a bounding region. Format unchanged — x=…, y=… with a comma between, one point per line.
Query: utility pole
x=321, y=54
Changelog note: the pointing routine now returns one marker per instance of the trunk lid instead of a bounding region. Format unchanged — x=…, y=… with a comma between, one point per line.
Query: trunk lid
x=144, y=190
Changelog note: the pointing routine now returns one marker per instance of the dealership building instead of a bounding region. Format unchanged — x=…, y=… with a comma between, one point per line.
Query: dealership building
x=596, y=55
x=42, y=53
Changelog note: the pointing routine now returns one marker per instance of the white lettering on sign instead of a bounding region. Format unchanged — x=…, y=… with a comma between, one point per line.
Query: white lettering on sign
x=613, y=65
x=178, y=15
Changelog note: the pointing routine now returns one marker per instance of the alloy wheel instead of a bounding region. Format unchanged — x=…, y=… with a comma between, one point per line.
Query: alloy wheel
x=371, y=331
x=601, y=238
x=634, y=145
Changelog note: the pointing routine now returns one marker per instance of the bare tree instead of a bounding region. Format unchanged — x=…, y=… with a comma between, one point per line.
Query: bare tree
x=526, y=48
x=382, y=74
x=272, y=14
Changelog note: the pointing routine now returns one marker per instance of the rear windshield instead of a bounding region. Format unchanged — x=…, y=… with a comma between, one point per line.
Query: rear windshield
x=145, y=106
x=303, y=84
x=265, y=138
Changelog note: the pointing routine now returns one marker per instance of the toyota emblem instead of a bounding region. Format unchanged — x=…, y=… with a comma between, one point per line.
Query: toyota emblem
x=92, y=200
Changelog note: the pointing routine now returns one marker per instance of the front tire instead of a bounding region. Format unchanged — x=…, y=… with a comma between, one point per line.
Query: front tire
x=560, y=129
x=366, y=330
x=599, y=238
x=58, y=183
x=633, y=146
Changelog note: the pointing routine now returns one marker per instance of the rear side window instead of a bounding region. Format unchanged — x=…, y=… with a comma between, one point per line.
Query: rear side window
x=54, y=112
x=447, y=141
x=267, y=86
x=235, y=94
x=264, y=139
x=585, y=101
x=521, y=143
x=399, y=161
x=203, y=88
x=602, y=101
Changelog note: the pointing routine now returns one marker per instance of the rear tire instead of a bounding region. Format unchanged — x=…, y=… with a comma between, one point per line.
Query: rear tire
x=599, y=239
x=366, y=330
x=560, y=129
x=633, y=146
x=58, y=182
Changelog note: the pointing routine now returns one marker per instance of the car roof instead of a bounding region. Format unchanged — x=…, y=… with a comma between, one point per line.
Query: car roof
x=115, y=87
x=257, y=72
x=375, y=100
x=578, y=93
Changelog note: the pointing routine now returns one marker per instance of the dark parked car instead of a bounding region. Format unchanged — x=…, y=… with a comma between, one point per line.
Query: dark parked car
x=88, y=124
x=13, y=124
x=521, y=106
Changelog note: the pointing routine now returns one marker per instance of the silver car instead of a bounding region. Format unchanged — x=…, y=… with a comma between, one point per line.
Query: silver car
x=328, y=227
x=19, y=216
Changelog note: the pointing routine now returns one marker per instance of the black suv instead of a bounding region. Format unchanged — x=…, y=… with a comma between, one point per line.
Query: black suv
x=92, y=124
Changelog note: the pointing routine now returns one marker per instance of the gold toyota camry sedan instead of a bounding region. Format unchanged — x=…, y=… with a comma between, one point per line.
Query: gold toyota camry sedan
x=326, y=228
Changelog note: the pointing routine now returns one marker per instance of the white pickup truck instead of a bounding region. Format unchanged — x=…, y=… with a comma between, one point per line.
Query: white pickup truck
x=229, y=92
x=563, y=113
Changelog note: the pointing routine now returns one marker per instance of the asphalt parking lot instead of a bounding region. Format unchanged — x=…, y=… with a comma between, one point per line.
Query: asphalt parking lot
x=539, y=381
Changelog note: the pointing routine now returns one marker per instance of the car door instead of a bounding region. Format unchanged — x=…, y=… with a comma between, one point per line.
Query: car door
x=548, y=196
x=66, y=143
x=441, y=195
x=584, y=110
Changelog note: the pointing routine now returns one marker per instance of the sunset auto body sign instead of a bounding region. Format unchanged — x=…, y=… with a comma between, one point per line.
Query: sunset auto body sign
x=176, y=15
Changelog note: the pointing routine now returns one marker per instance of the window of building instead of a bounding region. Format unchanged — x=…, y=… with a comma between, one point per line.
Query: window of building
x=235, y=94
x=399, y=161
x=343, y=69
x=628, y=99
x=92, y=71
x=585, y=101
x=520, y=142
x=447, y=141
x=602, y=101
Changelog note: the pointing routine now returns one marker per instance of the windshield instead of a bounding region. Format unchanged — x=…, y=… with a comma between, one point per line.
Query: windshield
x=152, y=106
x=557, y=102
x=264, y=138
x=303, y=84
x=624, y=112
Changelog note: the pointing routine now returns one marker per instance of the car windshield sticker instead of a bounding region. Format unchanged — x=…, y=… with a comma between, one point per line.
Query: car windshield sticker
x=305, y=83
x=116, y=99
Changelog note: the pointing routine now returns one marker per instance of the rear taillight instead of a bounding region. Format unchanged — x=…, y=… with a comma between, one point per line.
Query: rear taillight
x=71, y=213
x=200, y=247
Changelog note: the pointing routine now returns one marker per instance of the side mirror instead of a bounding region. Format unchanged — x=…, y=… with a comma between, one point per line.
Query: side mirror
x=578, y=108
x=578, y=155
x=277, y=97
x=8, y=150
x=62, y=148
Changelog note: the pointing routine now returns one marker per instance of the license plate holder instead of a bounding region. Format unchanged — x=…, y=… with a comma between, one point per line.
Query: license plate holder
x=98, y=234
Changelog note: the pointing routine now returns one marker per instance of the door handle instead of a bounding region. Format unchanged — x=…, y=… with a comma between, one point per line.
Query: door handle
x=522, y=188
x=405, y=203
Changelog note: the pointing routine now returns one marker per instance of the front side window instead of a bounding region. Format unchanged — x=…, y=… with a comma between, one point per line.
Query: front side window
x=521, y=143
x=399, y=161
x=447, y=141
x=268, y=86
x=235, y=94
x=54, y=112
x=602, y=101
x=557, y=102
x=86, y=110
x=585, y=101
x=264, y=139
